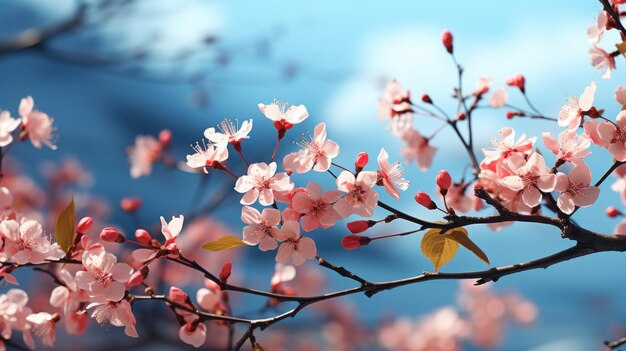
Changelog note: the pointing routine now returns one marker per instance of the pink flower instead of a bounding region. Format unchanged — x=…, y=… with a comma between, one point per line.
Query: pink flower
x=294, y=248
x=282, y=274
x=262, y=228
x=530, y=177
x=37, y=124
x=209, y=298
x=229, y=132
x=395, y=105
x=458, y=200
x=417, y=148
x=507, y=147
x=284, y=117
x=68, y=298
x=103, y=278
x=390, y=175
x=620, y=95
x=572, y=112
x=170, y=231
x=316, y=207
x=7, y=125
x=118, y=314
x=193, y=333
x=360, y=198
x=261, y=182
x=602, y=61
x=316, y=153
x=482, y=86
x=575, y=189
x=25, y=242
x=611, y=136
x=141, y=157
x=43, y=327
x=208, y=155
x=13, y=314
x=498, y=98
x=596, y=31
x=570, y=147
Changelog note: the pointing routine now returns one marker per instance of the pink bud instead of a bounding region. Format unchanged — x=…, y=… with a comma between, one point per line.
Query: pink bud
x=446, y=38
x=359, y=226
x=165, y=137
x=517, y=80
x=130, y=204
x=137, y=278
x=361, y=161
x=352, y=242
x=444, y=181
x=143, y=236
x=225, y=271
x=84, y=225
x=612, y=212
x=424, y=199
x=178, y=295
x=110, y=235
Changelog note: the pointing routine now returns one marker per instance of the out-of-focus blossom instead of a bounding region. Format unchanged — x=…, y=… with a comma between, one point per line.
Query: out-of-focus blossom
x=395, y=106
x=417, y=149
x=43, y=327
x=38, y=125
x=483, y=85
x=596, y=30
x=498, y=98
x=7, y=125
x=603, y=62
x=620, y=95
x=143, y=154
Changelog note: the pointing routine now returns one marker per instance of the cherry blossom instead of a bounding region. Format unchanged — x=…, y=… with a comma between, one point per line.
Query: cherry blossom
x=390, y=175
x=611, y=136
x=498, y=98
x=229, y=132
x=170, y=231
x=208, y=155
x=7, y=125
x=209, y=297
x=457, y=199
x=575, y=189
x=483, y=85
x=316, y=207
x=261, y=182
x=596, y=31
x=572, y=112
x=143, y=154
x=68, y=298
x=620, y=95
x=316, y=153
x=13, y=314
x=6, y=198
x=360, y=198
x=103, y=276
x=283, y=115
x=417, y=148
x=395, y=106
x=507, y=146
x=294, y=247
x=37, y=124
x=25, y=242
x=117, y=314
x=602, y=61
x=530, y=177
x=570, y=147
x=44, y=327
x=262, y=228
x=282, y=274
x=193, y=333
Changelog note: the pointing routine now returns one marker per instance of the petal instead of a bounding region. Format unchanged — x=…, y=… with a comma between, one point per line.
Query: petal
x=587, y=196
x=250, y=215
x=306, y=247
x=566, y=203
x=531, y=196
x=271, y=216
x=285, y=252
x=580, y=175
x=586, y=98
x=122, y=272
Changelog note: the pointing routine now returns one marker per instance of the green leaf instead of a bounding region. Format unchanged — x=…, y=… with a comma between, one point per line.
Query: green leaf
x=64, y=229
x=441, y=248
x=223, y=243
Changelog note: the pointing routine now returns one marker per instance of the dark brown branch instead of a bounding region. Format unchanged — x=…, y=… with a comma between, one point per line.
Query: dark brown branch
x=611, y=11
x=341, y=270
x=613, y=345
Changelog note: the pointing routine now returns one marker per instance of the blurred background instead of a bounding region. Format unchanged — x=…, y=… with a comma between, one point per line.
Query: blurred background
x=110, y=70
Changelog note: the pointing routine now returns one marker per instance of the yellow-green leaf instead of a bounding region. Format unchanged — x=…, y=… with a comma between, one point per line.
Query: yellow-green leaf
x=621, y=47
x=441, y=248
x=223, y=243
x=438, y=248
x=64, y=229
x=460, y=236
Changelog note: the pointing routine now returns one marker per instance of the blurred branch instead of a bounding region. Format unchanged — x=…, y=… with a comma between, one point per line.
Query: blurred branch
x=613, y=345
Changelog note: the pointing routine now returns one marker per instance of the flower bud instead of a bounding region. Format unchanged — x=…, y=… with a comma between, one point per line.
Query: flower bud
x=612, y=212
x=446, y=39
x=165, y=137
x=225, y=271
x=444, y=181
x=138, y=276
x=424, y=199
x=359, y=226
x=361, y=161
x=178, y=296
x=510, y=114
x=352, y=242
x=427, y=99
x=84, y=225
x=517, y=80
x=143, y=236
x=110, y=235
x=130, y=204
